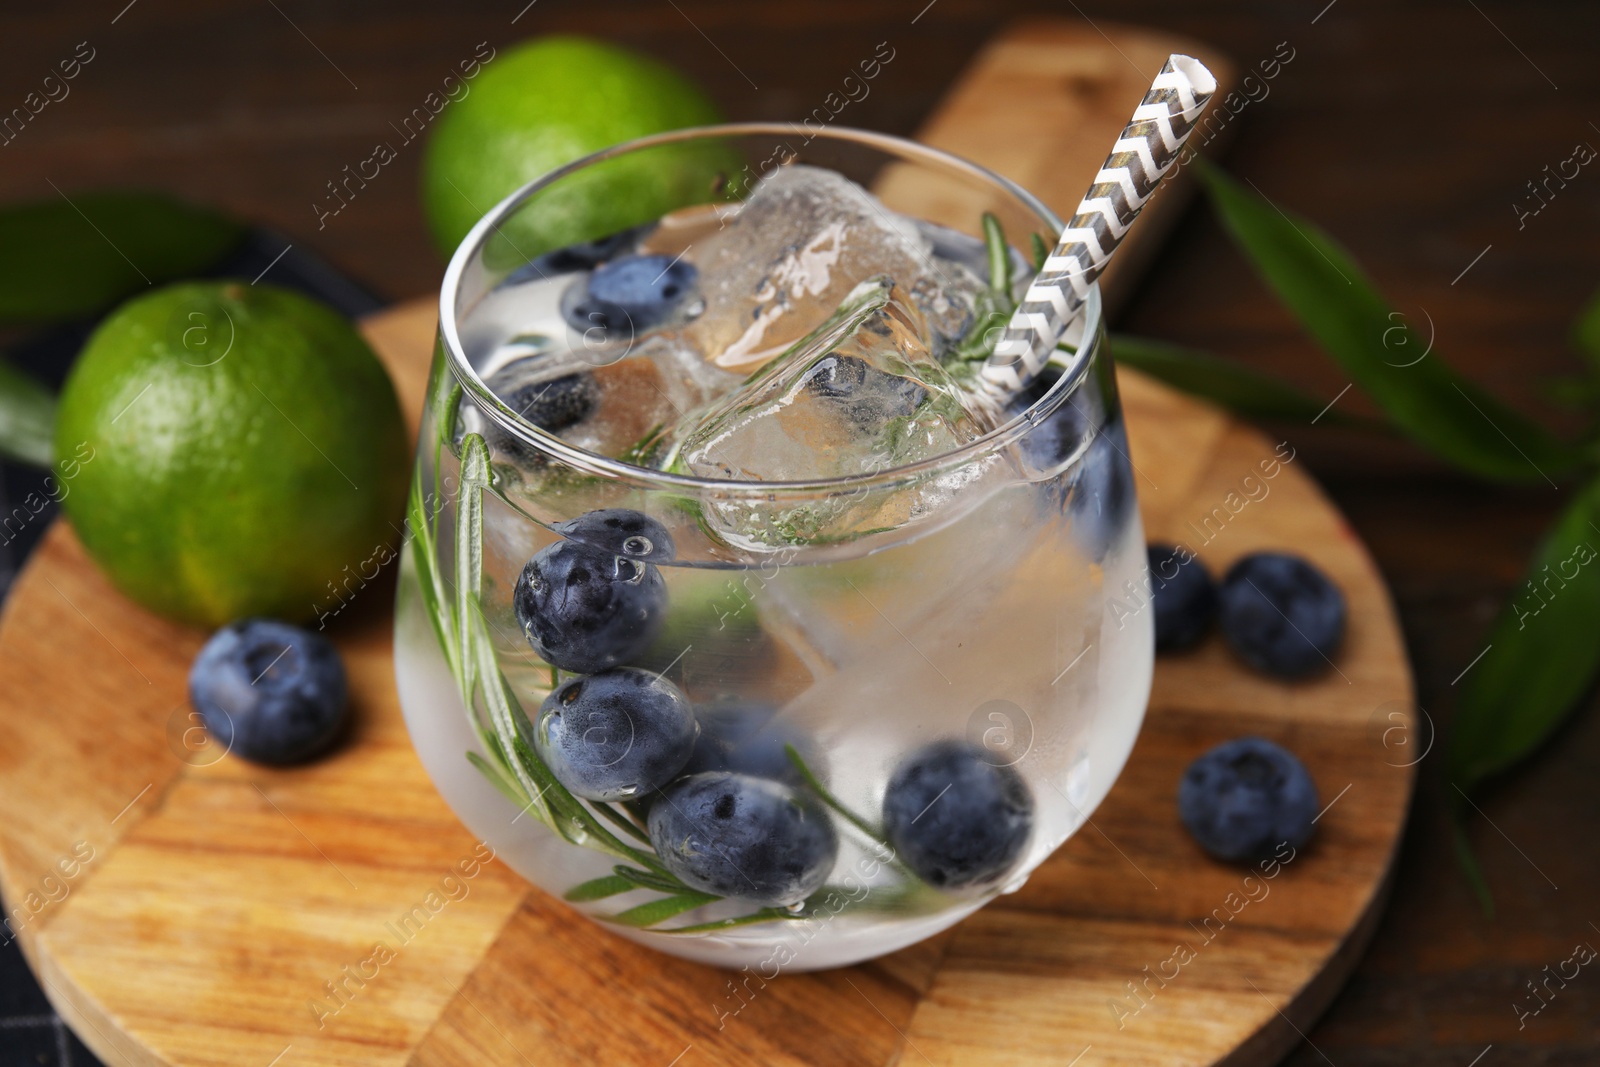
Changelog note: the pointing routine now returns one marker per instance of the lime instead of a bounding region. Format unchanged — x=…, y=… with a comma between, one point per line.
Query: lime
x=545, y=103
x=238, y=450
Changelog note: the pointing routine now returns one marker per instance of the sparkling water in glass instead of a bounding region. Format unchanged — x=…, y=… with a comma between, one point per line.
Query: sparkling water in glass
x=733, y=609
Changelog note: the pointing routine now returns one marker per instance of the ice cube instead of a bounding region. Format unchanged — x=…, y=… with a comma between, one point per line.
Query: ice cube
x=610, y=408
x=779, y=267
x=861, y=393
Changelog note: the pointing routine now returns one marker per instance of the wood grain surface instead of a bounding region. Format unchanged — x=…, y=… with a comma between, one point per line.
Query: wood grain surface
x=238, y=104
x=228, y=913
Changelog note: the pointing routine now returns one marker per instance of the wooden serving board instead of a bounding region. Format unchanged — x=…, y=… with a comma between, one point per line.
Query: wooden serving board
x=183, y=909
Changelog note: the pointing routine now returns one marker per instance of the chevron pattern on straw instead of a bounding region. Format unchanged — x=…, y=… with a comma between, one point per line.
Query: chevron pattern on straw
x=1139, y=160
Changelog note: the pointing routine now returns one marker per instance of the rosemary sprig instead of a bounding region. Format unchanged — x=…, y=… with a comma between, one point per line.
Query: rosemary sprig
x=762, y=916
x=994, y=239
x=659, y=911
x=814, y=784
x=1041, y=250
x=627, y=825
x=874, y=834
x=599, y=889
x=642, y=451
x=647, y=880
x=992, y=305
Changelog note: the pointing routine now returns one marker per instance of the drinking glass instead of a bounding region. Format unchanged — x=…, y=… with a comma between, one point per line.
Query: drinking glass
x=976, y=599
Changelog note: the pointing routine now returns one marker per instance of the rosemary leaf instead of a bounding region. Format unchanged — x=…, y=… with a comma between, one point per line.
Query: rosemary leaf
x=469, y=553
x=994, y=238
x=764, y=915
x=815, y=785
x=657, y=911
x=497, y=779
x=628, y=826
x=434, y=599
x=598, y=889
x=1041, y=250
x=651, y=880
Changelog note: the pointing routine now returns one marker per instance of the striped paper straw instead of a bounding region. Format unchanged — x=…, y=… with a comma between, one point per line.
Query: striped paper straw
x=1127, y=179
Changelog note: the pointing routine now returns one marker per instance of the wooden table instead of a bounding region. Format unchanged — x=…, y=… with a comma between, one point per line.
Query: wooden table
x=1365, y=129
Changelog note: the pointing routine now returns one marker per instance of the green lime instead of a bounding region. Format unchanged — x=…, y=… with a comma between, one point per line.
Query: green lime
x=231, y=450
x=545, y=103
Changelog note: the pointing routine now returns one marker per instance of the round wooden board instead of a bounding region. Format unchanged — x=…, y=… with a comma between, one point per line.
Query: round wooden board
x=185, y=910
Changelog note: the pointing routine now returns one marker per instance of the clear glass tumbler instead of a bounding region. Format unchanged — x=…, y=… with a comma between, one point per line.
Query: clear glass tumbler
x=940, y=636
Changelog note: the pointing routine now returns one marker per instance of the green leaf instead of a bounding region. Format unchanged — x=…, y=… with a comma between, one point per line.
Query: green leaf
x=496, y=779
x=657, y=911
x=27, y=418
x=992, y=305
x=762, y=915
x=813, y=783
x=63, y=259
x=643, y=450
x=650, y=880
x=475, y=661
x=567, y=814
x=561, y=811
x=1468, y=862
x=469, y=552
x=994, y=239
x=625, y=824
x=1421, y=395
x=529, y=771
x=435, y=600
x=1544, y=651
x=1231, y=385
x=598, y=889
x=1586, y=332
x=1574, y=392
x=1041, y=250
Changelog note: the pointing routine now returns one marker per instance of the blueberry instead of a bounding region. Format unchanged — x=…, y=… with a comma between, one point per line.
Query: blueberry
x=636, y=291
x=1100, y=497
x=595, y=320
x=584, y=610
x=646, y=287
x=865, y=394
x=955, y=818
x=1056, y=436
x=1099, y=492
x=1281, y=614
x=553, y=404
x=586, y=255
x=622, y=532
x=739, y=836
x=615, y=735
x=742, y=736
x=268, y=691
x=1244, y=798
x=1183, y=595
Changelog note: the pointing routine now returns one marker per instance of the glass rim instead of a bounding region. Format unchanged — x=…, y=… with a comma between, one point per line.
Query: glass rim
x=1072, y=374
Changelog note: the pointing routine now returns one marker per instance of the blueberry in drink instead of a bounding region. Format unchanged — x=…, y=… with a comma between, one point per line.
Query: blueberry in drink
x=744, y=837
x=615, y=735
